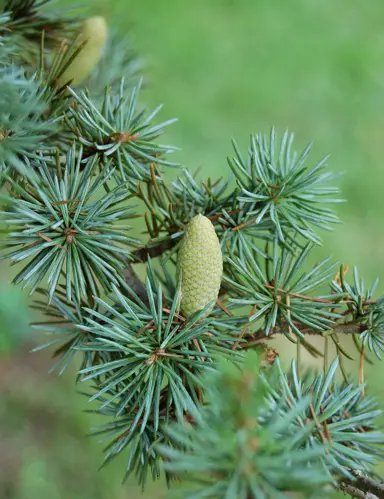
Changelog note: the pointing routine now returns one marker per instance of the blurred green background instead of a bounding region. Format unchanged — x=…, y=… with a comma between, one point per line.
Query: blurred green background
x=225, y=68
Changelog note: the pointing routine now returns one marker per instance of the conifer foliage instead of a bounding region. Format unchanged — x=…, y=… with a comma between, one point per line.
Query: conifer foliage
x=179, y=364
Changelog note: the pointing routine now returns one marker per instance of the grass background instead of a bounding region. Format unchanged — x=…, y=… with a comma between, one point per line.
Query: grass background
x=224, y=68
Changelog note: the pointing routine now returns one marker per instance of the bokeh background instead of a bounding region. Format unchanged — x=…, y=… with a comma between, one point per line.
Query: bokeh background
x=225, y=68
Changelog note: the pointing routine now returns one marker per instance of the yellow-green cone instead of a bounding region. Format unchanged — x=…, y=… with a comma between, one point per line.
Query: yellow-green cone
x=200, y=263
x=95, y=32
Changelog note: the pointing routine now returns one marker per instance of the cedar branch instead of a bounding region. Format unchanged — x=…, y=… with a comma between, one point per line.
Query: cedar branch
x=366, y=486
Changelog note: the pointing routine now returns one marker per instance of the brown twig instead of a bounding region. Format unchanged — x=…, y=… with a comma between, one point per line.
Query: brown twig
x=142, y=254
x=223, y=307
x=313, y=298
x=242, y=333
x=251, y=343
x=244, y=329
x=245, y=224
x=121, y=137
x=135, y=283
x=362, y=487
x=259, y=335
x=353, y=491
